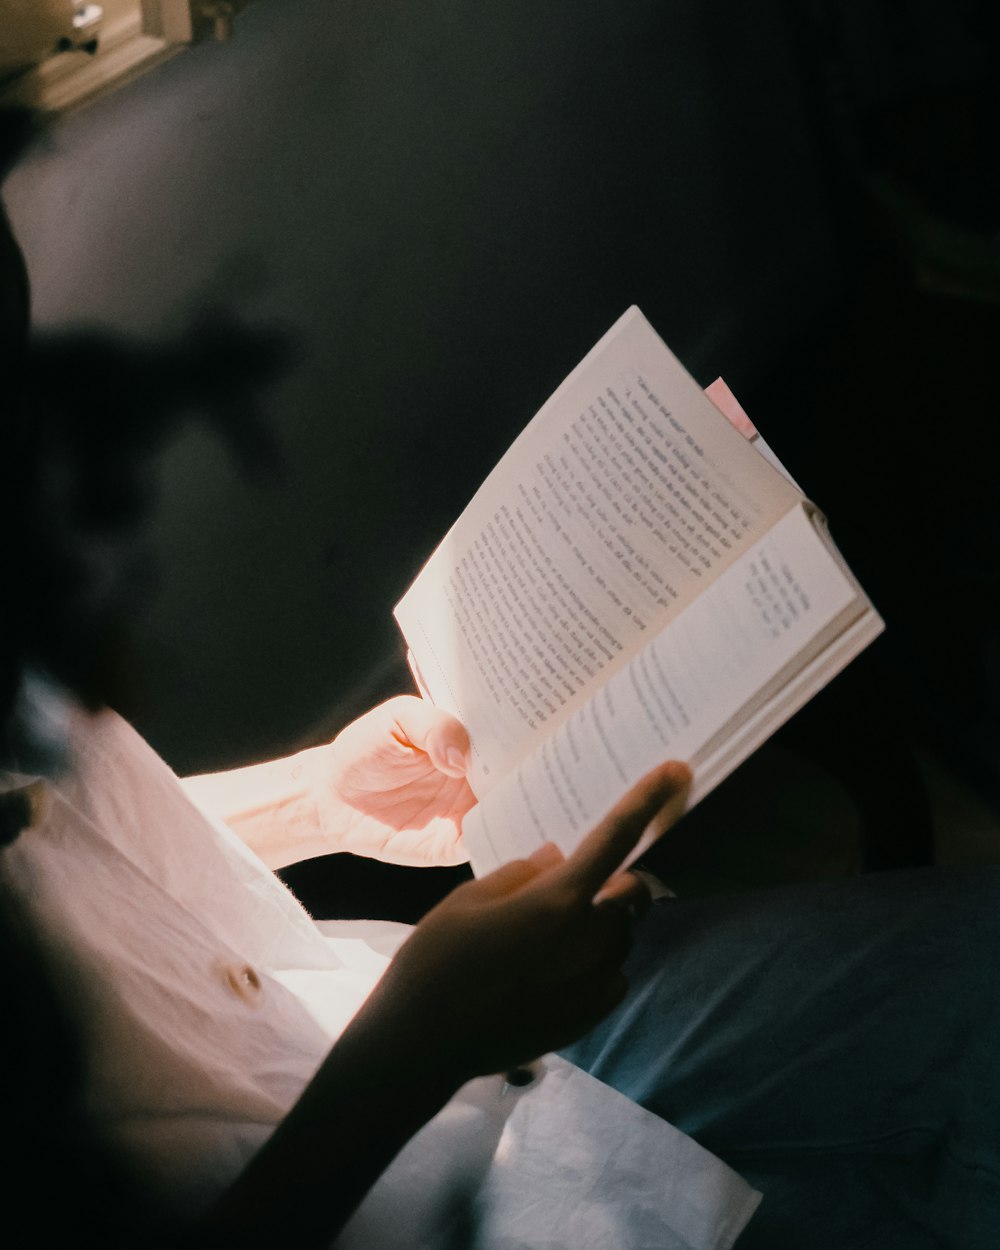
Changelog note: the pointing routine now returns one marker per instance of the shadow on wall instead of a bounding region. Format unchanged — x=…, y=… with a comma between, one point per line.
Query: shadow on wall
x=443, y=211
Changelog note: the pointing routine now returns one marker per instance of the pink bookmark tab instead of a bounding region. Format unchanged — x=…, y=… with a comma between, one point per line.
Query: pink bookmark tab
x=731, y=408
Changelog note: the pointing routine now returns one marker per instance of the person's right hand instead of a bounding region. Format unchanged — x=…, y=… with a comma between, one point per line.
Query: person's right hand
x=505, y=969
x=524, y=960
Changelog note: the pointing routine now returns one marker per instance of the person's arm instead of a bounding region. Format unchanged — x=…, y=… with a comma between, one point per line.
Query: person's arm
x=391, y=785
x=506, y=968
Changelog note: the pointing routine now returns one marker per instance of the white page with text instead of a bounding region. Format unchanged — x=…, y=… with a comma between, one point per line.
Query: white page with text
x=625, y=497
x=674, y=696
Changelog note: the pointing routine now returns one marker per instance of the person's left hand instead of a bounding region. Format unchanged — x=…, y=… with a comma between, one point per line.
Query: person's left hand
x=392, y=785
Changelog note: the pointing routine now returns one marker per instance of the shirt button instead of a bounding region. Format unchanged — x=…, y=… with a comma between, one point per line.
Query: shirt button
x=520, y=1078
x=22, y=809
x=244, y=982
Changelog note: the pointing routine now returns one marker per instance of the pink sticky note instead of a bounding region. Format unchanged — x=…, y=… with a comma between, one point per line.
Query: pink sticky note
x=731, y=408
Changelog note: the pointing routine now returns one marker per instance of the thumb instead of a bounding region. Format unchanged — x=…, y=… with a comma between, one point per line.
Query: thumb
x=443, y=738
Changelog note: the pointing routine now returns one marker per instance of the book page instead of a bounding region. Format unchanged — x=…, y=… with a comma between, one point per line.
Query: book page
x=620, y=502
x=777, y=607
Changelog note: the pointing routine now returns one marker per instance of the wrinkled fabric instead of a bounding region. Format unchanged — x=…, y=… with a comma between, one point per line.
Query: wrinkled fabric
x=565, y=1164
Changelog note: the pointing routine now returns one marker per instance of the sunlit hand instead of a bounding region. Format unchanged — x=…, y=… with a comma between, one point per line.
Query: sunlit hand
x=392, y=785
x=506, y=968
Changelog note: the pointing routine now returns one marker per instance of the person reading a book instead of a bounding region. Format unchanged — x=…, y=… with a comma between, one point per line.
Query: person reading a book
x=505, y=969
x=168, y=1002
x=187, y=1054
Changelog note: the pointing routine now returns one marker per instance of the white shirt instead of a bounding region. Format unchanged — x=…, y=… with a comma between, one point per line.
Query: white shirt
x=208, y=997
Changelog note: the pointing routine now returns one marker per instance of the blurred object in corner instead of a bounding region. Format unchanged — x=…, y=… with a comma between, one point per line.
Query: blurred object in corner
x=56, y=55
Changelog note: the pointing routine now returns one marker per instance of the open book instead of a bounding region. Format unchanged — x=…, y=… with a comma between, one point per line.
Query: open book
x=637, y=580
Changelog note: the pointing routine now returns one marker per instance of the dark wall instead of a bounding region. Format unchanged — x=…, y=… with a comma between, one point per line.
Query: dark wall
x=444, y=205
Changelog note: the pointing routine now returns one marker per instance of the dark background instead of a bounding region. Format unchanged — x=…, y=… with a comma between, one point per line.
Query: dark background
x=443, y=206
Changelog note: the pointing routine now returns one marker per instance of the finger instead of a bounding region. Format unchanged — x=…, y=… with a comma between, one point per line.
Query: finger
x=606, y=846
x=518, y=872
x=589, y=948
x=444, y=739
x=627, y=891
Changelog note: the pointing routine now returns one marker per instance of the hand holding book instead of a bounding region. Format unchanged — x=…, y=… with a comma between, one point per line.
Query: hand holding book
x=635, y=581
